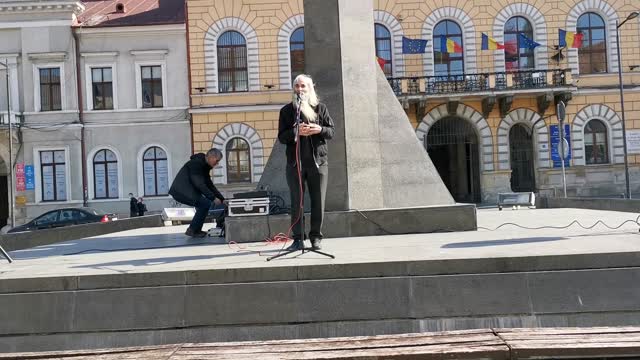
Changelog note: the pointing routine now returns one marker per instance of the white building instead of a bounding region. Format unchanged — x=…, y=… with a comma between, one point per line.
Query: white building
x=125, y=62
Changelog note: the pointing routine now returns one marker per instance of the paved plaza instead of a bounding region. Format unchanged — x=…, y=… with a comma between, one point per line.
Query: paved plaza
x=167, y=249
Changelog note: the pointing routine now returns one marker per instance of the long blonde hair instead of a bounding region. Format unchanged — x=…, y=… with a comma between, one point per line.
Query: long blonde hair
x=310, y=100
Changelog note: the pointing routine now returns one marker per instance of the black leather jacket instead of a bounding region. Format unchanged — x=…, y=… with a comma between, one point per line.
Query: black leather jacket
x=287, y=135
x=193, y=180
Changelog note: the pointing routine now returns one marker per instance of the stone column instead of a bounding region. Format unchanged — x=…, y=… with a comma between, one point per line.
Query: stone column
x=339, y=55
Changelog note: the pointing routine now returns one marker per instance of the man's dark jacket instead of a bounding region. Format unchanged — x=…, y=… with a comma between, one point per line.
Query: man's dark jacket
x=133, y=205
x=287, y=135
x=193, y=181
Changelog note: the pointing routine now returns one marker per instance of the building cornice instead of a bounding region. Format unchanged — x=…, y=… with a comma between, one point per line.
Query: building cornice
x=236, y=108
x=100, y=54
x=16, y=6
x=160, y=52
x=49, y=56
x=133, y=30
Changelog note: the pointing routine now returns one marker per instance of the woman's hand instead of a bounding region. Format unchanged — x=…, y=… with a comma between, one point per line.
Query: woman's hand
x=310, y=129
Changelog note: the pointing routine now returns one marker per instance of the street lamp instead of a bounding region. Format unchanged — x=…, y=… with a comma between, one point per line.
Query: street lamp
x=11, y=198
x=627, y=192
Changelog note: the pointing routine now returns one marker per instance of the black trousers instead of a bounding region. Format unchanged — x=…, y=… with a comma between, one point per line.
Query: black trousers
x=315, y=179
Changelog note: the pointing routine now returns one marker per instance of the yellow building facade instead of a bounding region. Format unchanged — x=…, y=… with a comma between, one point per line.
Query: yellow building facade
x=486, y=117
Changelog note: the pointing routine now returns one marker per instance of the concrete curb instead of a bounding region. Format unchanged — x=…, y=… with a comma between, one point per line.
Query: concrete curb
x=625, y=205
x=30, y=239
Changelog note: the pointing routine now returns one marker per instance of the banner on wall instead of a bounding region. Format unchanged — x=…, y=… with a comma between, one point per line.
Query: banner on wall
x=29, y=177
x=633, y=141
x=555, y=145
x=20, y=178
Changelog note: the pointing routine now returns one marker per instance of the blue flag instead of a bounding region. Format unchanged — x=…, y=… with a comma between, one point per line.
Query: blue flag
x=413, y=46
x=526, y=43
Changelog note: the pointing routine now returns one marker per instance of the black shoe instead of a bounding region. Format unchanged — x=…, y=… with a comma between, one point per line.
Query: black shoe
x=296, y=245
x=195, y=234
x=315, y=244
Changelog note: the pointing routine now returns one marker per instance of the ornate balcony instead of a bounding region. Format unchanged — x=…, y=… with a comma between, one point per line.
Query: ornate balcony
x=547, y=86
x=481, y=84
x=16, y=119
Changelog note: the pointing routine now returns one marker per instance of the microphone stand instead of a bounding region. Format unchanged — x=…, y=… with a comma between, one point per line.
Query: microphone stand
x=296, y=130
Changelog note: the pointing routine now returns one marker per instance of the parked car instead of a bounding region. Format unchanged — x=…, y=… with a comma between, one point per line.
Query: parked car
x=65, y=217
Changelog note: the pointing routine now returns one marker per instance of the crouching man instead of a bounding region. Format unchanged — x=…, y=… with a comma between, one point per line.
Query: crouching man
x=193, y=186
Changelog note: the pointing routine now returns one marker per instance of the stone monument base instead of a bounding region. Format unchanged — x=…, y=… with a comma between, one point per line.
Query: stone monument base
x=351, y=223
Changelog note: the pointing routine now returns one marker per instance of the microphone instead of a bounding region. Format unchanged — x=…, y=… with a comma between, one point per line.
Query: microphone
x=301, y=97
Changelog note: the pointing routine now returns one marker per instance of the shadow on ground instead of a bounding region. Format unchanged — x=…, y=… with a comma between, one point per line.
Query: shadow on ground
x=469, y=244
x=113, y=244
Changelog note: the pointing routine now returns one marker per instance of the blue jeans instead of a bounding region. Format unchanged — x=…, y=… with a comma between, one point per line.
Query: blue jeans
x=202, y=209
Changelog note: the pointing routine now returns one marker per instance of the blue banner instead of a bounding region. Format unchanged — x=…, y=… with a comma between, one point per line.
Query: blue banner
x=29, y=177
x=413, y=46
x=526, y=43
x=555, y=145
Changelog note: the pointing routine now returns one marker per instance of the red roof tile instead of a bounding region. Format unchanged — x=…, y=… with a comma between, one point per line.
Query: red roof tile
x=99, y=13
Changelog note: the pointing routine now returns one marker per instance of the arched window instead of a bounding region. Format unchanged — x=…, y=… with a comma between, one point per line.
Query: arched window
x=155, y=172
x=447, y=63
x=232, y=62
x=515, y=57
x=105, y=175
x=595, y=143
x=296, y=52
x=238, y=161
x=383, y=47
x=592, y=56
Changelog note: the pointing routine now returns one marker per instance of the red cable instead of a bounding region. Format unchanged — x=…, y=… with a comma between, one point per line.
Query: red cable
x=282, y=237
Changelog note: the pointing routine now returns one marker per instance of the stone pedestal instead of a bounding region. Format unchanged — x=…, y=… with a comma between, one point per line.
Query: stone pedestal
x=375, y=158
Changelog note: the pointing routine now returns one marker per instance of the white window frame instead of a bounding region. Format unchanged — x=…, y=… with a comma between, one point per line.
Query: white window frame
x=139, y=167
x=138, y=66
x=610, y=154
x=38, y=175
x=223, y=162
x=89, y=83
x=90, y=172
x=36, y=85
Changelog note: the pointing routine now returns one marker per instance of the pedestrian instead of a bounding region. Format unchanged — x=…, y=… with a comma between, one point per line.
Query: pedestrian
x=133, y=205
x=193, y=186
x=142, y=207
x=314, y=129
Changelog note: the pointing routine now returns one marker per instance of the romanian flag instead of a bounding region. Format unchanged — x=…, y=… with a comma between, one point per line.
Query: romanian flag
x=381, y=62
x=490, y=44
x=450, y=46
x=570, y=39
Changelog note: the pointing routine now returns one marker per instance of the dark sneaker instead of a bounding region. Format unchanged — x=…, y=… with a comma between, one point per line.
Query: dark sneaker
x=315, y=244
x=195, y=234
x=296, y=245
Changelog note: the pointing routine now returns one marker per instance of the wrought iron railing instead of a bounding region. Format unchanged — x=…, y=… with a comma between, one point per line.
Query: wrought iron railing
x=15, y=118
x=469, y=83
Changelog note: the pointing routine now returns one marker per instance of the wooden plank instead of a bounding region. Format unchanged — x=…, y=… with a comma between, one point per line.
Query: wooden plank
x=451, y=341
x=565, y=338
x=143, y=355
x=568, y=330
x=342, y=339
x=273, y=350
x=578, y=351
x=122, y=353
x=490, y=351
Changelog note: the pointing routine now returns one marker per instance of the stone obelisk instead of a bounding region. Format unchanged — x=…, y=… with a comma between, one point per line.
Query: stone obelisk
x=375, y=160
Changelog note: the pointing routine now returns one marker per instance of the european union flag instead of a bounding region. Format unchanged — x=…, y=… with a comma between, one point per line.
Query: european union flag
x=526, y=43
x=413, y=46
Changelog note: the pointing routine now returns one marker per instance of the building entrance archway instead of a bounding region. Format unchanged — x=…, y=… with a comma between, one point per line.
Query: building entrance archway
x=522, y=161
x=4, y=193
x=452, y=143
